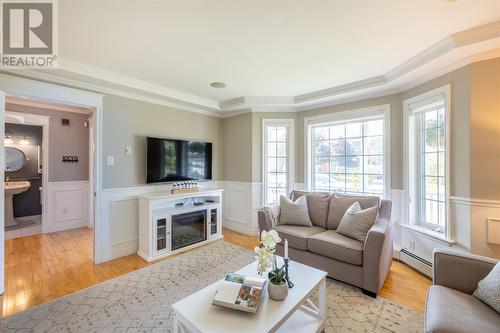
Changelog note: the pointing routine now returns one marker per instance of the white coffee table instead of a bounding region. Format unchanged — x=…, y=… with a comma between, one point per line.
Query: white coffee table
x=196, y=313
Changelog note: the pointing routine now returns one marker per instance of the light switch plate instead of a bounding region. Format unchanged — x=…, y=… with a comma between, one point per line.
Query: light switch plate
x=128, y=150
x=110, y=160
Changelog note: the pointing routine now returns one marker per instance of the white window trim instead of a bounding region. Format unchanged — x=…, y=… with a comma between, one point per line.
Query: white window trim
x=343, y=116
x=290, y=123
x=446, y=91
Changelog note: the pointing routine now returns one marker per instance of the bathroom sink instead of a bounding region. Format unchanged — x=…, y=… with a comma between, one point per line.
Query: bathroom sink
x=16, y=187
x=12, y=188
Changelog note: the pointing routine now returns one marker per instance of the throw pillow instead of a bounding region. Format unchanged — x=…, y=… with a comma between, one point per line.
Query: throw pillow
x=294, y=213
x=356, y=222
x=488, y=289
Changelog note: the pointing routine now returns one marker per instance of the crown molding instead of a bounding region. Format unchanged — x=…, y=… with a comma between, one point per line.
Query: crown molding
x=109, y=82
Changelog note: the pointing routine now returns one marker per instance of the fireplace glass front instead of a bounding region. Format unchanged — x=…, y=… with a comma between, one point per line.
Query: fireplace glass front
x=189, y=228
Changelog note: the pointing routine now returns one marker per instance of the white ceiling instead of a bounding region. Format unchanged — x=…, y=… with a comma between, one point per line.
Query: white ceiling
x=280, y=48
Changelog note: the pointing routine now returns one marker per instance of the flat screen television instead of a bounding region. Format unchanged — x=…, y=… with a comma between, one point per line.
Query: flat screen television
x=171, y=160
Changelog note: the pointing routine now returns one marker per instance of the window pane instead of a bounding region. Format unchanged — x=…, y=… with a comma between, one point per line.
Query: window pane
x=281, y=165
x=337, y=183
x=353, y=164
x=321, y=133
x=442, y=214
x=431, y=212
x=430, y=164
x=441, y=139
x=281, y=133
x=271, y=180
x=271, y=164
x=374, y=127
x=431, y=139
x=442, y=164
x=337, y=131
x=321, y=182
x=353, y=130
x=271, y=149
x=374, y=164
x=321, y=149
x=441, y=117
x=337, y=164
x=272, y=196
x=374, y=145
x=281, y=179
x=430, y=119
x=321, y=165
x=354, y=146
x=442, y=188
x=431, y=188
x=337, y=147
x=374, y=184
x=281, y=148
x=271, y=133
x=354, y=183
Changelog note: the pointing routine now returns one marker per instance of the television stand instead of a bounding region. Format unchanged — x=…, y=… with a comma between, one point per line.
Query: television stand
x=170, y=223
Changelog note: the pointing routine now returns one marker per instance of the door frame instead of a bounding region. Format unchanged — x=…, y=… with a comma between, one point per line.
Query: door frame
x=42, y=121
x=22, y=87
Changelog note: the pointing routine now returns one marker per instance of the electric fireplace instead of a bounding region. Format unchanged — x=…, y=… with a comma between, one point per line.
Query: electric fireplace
x=189, y=228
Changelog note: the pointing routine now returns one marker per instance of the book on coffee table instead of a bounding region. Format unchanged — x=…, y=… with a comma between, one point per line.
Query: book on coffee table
x=240, y=292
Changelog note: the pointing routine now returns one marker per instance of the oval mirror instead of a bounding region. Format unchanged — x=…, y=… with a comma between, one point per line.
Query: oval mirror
x=15, y=159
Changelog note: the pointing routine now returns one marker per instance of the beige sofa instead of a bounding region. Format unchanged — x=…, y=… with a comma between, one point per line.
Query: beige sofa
x=450, y=306
x=364, y=265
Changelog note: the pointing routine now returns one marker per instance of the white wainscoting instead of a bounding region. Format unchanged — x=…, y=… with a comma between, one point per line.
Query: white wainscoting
x=67, y=206
x=469, y=231
x=241, y=202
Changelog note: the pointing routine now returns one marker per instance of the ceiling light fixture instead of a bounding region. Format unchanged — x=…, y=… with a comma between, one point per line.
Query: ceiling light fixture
x=218, y=85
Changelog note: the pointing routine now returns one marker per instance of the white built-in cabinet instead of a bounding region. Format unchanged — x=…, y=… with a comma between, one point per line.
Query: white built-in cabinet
x=169, y=223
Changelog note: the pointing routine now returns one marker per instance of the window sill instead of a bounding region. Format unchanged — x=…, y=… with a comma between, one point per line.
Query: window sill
x=429, y=233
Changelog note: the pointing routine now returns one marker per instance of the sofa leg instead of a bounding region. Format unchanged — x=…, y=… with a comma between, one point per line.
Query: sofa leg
x=369, y=293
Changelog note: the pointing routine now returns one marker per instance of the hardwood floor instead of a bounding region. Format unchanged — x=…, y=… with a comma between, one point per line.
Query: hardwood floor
x=44, y=267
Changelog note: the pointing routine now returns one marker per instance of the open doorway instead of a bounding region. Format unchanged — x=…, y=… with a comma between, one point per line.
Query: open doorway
x=49, y=214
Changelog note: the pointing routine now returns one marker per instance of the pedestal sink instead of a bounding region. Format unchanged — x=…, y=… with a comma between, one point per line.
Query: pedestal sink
x=12, y=188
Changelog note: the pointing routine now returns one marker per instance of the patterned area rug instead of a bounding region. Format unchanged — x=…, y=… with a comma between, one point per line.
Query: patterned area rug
x=140, y=301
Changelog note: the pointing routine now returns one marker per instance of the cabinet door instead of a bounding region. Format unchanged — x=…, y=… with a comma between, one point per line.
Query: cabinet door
x=214, y=226
x=161, y=240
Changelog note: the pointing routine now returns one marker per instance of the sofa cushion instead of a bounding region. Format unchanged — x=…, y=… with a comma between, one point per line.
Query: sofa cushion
x=317, y=203
x=448, y=310
x=294, y=212
x=356, y=222
x=297, y=235
x=340, y=202
x=333, y=245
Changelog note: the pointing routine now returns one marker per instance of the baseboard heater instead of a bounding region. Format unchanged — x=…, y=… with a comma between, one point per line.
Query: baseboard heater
x=420, y=264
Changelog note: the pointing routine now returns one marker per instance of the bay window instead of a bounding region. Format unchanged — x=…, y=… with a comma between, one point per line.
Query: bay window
x=348, y=152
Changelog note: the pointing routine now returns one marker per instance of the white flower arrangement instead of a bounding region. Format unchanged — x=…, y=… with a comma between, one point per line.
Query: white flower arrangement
x=265, y=250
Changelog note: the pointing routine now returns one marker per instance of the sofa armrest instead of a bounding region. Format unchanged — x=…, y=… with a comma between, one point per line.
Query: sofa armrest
x=268, y=217
x=377, y=252
x=459, y=270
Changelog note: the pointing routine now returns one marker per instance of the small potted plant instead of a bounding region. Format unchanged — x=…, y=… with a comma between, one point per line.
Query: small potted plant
x=266, y=250
x=278, y=286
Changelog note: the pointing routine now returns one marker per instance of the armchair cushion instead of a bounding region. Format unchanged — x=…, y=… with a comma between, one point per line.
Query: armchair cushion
x=339, y=203
x=333, y=245
x=297, y=235
x=488, y=289
x=449, y=310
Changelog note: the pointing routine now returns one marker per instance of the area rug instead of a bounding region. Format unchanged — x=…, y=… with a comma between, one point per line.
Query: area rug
x=140, y=301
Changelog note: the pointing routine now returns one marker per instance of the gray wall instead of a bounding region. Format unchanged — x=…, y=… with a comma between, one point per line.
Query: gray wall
x=27, y=203
x=127, y=122
x=248, y=128
x=64, y=140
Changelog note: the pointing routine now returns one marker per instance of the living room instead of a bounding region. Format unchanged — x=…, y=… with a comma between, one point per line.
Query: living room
x=216, y=122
